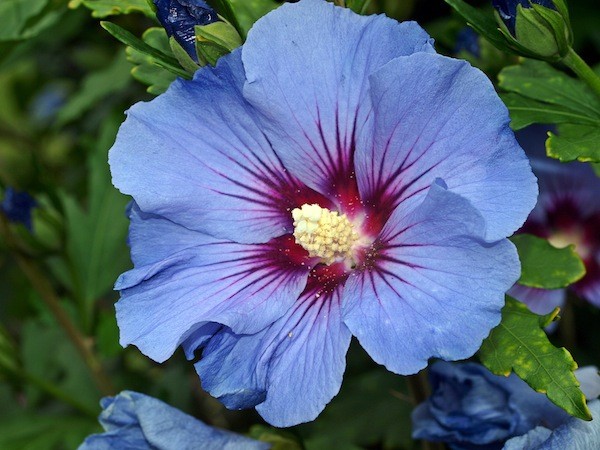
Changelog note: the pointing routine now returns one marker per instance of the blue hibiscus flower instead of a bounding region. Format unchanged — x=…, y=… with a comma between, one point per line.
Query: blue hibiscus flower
x=472, y=409
x=137, y=421
x=333, y=177
x=567, y=213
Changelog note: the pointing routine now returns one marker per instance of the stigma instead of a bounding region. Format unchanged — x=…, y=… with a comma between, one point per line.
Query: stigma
x=323, y=233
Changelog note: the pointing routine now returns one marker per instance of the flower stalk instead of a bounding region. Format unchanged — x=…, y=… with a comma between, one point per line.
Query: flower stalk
x=44, y=288
x=574, y=62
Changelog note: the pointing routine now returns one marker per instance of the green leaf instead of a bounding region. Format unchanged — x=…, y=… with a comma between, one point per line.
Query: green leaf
x=377, y=394
x=279, y=439
x=146, y=71
x=96, y=236
x=47, y=354
x=547, y=267
x=158, y=57
x=358, y=6
x=96, y=87
x=539, y=81
x=575, y=142
x=526, y=111
x=482, y=22
x=105, y=8
x=24, y=19
x=520, y=344
x=245, y=12
x=33, y=431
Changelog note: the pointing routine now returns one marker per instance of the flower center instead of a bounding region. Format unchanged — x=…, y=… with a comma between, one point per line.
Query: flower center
x=563, y=239
x=323, y=233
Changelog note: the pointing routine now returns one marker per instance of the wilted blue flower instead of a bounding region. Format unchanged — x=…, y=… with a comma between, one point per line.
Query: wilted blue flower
x=310, y=188
x=567, y=212
x=508, y=9
x=471, y=408
x=573, y=434
x=17, y=206
x=137, y=421
x=468, y=40
x=179, y=17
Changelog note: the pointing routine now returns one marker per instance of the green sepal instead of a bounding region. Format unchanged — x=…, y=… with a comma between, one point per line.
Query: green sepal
x=222, y=34
x=159, y=58
x=534, y=33
x=145, y=69
x=185, y=60
x=520, y=345
x=546, y=267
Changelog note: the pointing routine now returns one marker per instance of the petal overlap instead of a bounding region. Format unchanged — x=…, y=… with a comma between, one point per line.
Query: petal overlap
x=290, y=370
x=197, y=156
x=313, y=92
x=245, y=287
x=455, y=128
x=436, y=287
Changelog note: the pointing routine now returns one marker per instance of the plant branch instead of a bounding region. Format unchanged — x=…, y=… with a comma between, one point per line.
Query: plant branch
x=44, y=288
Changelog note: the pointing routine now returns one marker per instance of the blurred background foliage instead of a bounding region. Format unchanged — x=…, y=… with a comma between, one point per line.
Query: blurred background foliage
x=64, y=84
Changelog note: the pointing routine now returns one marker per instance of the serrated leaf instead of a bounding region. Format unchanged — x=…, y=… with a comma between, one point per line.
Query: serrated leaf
x=575, y=142
x=105, y=8
x=160, y=58
x=520, y=344
x=146, y=71
x=526, y=111
x=539, y=81
x=547, y=267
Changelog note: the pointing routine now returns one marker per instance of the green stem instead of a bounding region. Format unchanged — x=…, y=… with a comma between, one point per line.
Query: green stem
x=57, y=393
x=44, y=288
x=583, y=71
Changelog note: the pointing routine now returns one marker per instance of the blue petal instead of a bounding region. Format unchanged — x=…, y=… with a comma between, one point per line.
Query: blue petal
x=574, y=434
x=137, y=421
x=196, y=156
x=289, y=371
x=589, y=379
x=440, y=117
x=307, y=66
x=189, y=278
x=435, y=287
x=539, y=301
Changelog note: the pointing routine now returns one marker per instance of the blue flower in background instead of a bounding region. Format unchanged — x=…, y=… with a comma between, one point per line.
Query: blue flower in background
x=567, y=212
x=17, y=206
x=308, y=189
x=468, y=40
x=508, y=9
x=179, y=17
x=137, y=421
x=573, y=434
x=471, y=408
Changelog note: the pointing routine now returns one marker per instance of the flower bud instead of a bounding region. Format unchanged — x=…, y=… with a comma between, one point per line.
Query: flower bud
x=536, y=28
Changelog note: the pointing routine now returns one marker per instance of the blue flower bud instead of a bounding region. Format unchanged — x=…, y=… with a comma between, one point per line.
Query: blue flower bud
x=179, y=17
x=17, y=206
